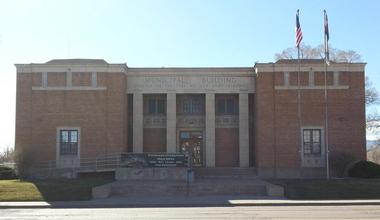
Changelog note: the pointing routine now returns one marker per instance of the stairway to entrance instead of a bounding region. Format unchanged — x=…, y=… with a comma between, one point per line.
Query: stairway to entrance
x=207, y=182
x=225, y=172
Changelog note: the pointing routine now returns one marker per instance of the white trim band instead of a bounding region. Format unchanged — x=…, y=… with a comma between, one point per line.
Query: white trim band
x=38, y=88
x=309, y=87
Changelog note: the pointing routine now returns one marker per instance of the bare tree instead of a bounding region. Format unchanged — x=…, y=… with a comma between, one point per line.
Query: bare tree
x=371, y=94
x=371, y=98
x=306, y=52
x=309, y=52
x=7, y=155
x=372, y=120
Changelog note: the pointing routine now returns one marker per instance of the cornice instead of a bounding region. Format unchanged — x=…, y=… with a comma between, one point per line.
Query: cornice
x=341, y=67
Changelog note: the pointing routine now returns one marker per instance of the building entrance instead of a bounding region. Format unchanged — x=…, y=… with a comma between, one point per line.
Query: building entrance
x=192, y=142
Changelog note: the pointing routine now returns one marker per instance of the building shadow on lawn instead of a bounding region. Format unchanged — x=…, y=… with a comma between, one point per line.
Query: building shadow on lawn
x=69, y=189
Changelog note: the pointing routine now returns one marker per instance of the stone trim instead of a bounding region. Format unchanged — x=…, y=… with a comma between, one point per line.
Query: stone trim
x=159, y=74
x=341, y=67
x=210, y=129
x=336, y=78
x=190, y=121
x=191, y=71
x=310, y=87
x=171, y=122
x=286, y=79
x=154, y=121
x=311, y=78
x=243, y=131
x=73, y=88
x=190, y=84
x=44, y=81
x=110, y=68
x=227, y=121
x=94, y=79
x=138, y=123
x=69, y=78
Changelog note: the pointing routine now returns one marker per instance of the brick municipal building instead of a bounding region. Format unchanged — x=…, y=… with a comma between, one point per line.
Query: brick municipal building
x=69, y=110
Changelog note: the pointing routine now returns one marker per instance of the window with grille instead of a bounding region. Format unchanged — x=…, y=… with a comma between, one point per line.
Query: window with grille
x=226, y=106
x=192, y=106
x=312, y=141
x=156, y=106
x=68, y=144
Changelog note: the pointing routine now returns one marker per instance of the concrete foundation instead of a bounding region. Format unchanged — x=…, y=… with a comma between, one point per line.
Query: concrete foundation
x=171, y=173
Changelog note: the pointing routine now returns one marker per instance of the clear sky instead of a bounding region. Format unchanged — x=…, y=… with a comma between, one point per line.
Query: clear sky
x=173, y=33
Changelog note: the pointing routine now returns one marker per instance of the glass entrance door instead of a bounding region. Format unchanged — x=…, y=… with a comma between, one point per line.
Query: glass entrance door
x=192, y=142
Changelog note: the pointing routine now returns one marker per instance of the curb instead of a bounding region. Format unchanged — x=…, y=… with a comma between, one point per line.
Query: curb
x=176, y=205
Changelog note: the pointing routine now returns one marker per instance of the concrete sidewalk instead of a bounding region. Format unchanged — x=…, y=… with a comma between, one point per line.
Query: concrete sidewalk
x=179, y=201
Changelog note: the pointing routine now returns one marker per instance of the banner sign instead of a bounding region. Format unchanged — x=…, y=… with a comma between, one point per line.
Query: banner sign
x=154, y=160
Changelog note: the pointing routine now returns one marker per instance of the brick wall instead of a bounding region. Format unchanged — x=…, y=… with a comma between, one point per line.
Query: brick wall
x=226, y=147
x=154, y=140
x=277, y=127
x=100, y=114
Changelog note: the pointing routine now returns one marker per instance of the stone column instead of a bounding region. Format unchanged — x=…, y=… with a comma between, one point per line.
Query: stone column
x=243, y=130
x=138, y=123
x=171, y=123
x=210, y=130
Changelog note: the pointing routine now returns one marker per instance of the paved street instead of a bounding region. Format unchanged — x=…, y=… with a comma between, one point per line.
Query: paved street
x=242, y=212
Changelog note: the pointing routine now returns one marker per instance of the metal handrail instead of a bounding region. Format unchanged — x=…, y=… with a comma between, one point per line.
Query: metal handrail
x=91, y=163
x=100, y=162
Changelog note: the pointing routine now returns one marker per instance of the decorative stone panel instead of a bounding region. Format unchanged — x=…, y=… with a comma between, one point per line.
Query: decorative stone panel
x=227, y=121
x=191, y=121
x=154, y=121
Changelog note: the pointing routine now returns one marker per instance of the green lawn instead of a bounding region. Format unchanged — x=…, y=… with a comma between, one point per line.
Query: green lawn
x=47, y=190
x=331, y=189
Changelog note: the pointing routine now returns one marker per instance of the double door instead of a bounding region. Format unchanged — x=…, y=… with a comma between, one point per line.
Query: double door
x=192, y=143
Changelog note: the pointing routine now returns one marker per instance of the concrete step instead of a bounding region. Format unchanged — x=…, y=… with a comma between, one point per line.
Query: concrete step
x=225, y=172
x=199, y=187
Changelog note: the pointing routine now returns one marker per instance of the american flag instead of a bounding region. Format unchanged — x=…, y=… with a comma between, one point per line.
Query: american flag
x=327, y=37
x=298, y=30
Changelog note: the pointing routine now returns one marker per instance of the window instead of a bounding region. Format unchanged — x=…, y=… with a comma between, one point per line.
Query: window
x=192, y=105
x=68, y=143
x=312, y=141
x=226, y=106
x=156, y=106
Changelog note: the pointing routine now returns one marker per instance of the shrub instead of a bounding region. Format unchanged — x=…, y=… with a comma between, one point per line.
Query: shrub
x=24, y=160
x=7, y=173
x=339, y=162
x=365, y=169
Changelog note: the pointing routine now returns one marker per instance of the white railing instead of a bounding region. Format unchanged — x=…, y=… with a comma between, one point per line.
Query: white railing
x=9, y=164
x=102, y=162
x=98, y=163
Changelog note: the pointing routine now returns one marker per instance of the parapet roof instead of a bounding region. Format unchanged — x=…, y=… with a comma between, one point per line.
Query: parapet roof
x=76, y=61
x=302, y=61
x=306, y=65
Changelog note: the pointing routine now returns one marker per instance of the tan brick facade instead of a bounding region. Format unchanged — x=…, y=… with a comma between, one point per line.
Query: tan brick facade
x=91, y=95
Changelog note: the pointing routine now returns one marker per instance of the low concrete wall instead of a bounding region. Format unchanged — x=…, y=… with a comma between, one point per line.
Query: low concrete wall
x=288, y=173
x=169, y=173
x=65, y=173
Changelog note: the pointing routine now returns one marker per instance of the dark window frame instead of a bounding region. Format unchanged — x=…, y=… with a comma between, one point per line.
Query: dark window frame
x=193, y=106
x=69, y=147
x=312, y=146
x=156, y=106
x=226, y=105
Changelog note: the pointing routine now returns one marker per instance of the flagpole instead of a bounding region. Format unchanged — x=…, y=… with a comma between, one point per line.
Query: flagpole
x=326, y=102
x=299, y=100
x=299, y=106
